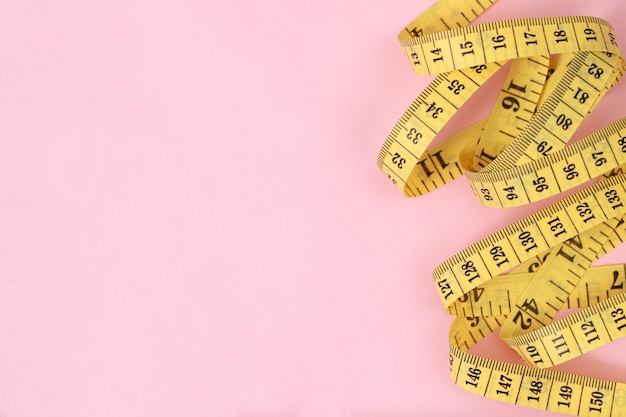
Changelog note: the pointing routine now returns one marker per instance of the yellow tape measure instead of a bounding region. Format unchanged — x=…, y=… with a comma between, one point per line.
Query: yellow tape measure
x=520, y=277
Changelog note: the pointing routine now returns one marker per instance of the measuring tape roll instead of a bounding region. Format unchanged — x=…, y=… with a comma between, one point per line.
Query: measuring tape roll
x=561, y=105
x=520, y=277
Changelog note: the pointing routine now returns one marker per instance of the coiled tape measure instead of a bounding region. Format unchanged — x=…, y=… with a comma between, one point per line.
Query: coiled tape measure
x=520, y=277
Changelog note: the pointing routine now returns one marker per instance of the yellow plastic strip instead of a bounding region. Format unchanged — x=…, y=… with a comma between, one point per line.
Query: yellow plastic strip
x=520, y=277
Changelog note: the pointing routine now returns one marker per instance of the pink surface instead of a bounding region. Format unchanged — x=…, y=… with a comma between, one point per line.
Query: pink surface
x=193, y=223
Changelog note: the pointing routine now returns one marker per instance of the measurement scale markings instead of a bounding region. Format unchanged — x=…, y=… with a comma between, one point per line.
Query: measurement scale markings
x=558, y=286
x=518, y=96
x=468, y=77
x=530, y=314
x=606, y=45
x=613, y=153
x=583, y=79
x=552, y=307
x=607, y=329
x=553, y=177
x=443, y=96
x=540, y=63
x=545, y=349
x=565, y=102
x=599, y=56
x=580, y=349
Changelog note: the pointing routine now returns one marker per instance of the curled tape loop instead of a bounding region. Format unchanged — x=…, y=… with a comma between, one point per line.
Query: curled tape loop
x=520, y=277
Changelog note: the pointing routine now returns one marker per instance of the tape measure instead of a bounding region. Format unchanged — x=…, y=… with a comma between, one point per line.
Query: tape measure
x=520, y=277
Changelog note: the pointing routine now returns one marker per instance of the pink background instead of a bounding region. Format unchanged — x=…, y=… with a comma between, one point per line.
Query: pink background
x=193, y=223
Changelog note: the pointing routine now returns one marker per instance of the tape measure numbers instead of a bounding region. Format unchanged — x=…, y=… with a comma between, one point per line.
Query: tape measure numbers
x=520, y=277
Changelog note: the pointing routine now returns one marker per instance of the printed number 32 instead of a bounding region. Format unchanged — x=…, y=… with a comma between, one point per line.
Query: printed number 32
x=398, y=160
